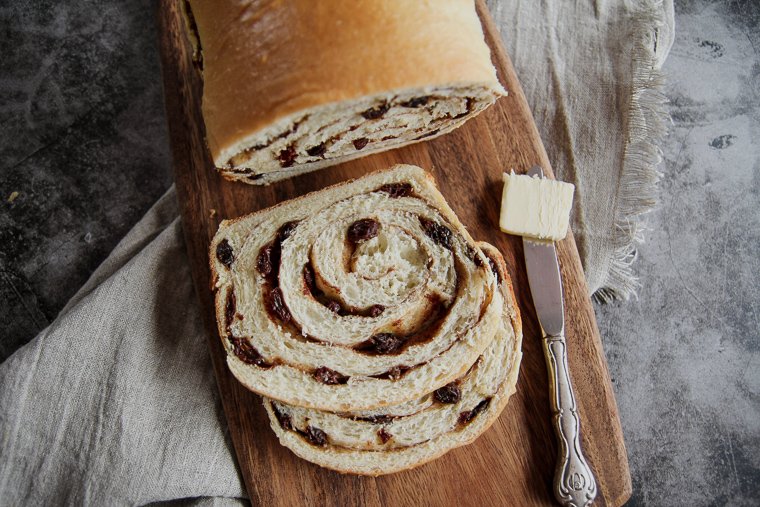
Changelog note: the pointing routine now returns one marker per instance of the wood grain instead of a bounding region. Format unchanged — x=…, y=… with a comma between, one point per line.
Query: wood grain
x=513, y=462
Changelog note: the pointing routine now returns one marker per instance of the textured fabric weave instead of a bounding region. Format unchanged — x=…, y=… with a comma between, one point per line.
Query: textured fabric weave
x=590, y=72
x=115, y=403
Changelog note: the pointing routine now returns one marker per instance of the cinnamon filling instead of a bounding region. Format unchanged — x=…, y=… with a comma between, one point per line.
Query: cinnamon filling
x=396, y=372
x=328, y=376
x=396, y=190
x=316, y=436
x=335, y=306
x=384, y=343
x=284, y=419
x=393, y=344
x=376, y=419
x=288, y=156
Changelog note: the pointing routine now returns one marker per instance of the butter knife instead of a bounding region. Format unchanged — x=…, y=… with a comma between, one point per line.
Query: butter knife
x=574, y=483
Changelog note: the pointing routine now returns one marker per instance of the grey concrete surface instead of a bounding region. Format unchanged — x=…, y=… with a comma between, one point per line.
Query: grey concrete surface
x=685, y=356
x=84, y=153
x=84, y=149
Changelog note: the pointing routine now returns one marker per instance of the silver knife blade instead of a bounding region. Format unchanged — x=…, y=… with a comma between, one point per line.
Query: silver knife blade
x=545, y=284
x=544, y=279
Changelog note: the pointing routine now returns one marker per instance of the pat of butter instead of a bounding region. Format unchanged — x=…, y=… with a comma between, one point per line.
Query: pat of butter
x=535, y=207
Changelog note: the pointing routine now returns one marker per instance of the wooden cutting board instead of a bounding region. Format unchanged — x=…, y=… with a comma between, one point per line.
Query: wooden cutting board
x=513, y=462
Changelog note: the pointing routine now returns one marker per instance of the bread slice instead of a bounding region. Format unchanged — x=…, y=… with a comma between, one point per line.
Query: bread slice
x=403, y=436
x=291, y=87
x=365, y=294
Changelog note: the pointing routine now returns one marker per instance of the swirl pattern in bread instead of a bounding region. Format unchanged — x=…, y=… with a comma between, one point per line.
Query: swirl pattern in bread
x=399, y=437
x=362, y=295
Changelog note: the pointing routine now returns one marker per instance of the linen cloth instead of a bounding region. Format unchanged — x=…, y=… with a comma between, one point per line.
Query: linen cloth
x=115, y=402
x=590, y=72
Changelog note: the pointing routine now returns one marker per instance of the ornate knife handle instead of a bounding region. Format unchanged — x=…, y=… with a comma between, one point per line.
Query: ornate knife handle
x=574, y=483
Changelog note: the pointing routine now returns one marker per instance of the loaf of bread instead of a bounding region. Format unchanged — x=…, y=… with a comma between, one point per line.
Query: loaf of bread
x=403, y=436
x=294, y=86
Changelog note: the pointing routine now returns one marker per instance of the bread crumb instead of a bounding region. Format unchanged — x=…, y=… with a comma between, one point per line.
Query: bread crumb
x=13, y=196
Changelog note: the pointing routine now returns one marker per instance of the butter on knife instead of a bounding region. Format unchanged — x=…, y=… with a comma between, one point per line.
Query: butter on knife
x=535, y=207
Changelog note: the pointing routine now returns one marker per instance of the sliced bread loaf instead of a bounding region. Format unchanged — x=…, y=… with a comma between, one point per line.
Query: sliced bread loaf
x=403, y=436
x=290, y=87
x=362, y=295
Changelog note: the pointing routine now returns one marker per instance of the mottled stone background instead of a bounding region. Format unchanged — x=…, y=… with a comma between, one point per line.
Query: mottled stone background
x=685, y=356
x=84, y=152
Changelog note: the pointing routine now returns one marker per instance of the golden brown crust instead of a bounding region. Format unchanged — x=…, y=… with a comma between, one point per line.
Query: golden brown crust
x=265, y=60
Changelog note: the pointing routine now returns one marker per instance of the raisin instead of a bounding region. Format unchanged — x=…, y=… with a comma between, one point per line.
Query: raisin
x=265, y=260
x=362, y=230
x=329, y=377
x=229, y=309
x=334, y=307
x=284, y=419
x=468, y=415
x=375, y=310
x=416, y=102
x=308, y=279
x=287, y=157
x=317, y=151
x=385, y=343
x=285, y=231
x=396, y=190
x=224, y=253
x=384, y=435
x=316, y=436
x=495, y=270
x=247, y=352
x=360, y=143
x=449, y=393
x=373, y=113
x=276, y=305
x=437, y=232
x=473, y=254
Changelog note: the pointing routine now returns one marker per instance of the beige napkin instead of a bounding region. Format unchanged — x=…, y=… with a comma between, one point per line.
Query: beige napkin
x=590, y=72
x=115, y=402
